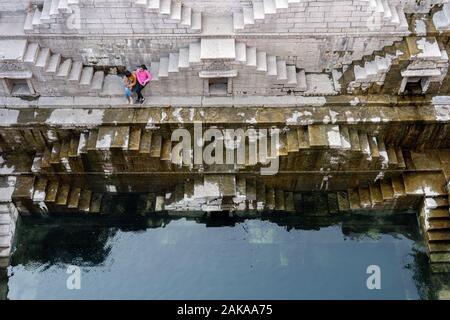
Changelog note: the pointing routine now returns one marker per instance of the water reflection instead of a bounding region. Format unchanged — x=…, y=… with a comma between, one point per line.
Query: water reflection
x=277, y=256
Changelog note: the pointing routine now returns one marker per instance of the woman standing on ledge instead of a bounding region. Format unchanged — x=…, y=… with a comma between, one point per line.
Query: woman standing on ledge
x=143, y=78
x=129, y=81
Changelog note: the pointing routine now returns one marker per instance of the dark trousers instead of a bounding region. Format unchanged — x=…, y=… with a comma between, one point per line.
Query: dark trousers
x=138, y=88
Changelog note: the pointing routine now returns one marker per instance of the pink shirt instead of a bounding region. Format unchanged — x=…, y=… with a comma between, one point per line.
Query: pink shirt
x=143, y=76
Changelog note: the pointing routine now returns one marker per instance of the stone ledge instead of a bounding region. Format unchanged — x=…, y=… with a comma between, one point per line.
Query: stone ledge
x=286, y=116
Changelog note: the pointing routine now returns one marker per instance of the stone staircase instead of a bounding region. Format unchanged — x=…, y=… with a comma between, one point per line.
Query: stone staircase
x=230, y=50
x=435, y=221
x=174, y=10
x=441, y=19
x=411, y=58
x=138, y=149
x=373, y=71
x=8, y=219
x=236, y=194
x=383, y=194
x=51, y=11
x=48, y=195
x=50, y=65
x=389, y=13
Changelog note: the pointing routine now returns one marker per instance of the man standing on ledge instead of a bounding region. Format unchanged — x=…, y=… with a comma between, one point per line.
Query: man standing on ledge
x=143, y=77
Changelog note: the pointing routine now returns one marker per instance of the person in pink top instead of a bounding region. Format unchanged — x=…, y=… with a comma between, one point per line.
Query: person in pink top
x=143, y=77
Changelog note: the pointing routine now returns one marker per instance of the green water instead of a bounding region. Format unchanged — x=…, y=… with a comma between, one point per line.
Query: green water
x=281, y=257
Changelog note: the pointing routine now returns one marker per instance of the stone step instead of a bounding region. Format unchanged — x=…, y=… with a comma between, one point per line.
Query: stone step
x=154, y=70
x=175, y=11
x=365, y=147
x=438, y=224
x=183, y=58
x=261, y=61
x=5, y=219
x=156, y=146
x=398, y=187
x=440, y=257
x=96, y=203
x=238, y=21
x=75, y=72
x=153, y=4
x=353, y=198
x=5, y=230
x=45, y=14
x=5, y=241
x=52, y=191
x=317, y=135
x=364, y=197
x=387, y=191
x=28, y=25
x=354, y=140
x=24, y=188
x=63, y=195
x=141, y=2
x=258, y=11
x=438, y=213
x=292, y=141
x=186, y=16
x=63, y=6
x=241, y=52
x=40, y=187
x=269, y=7
x=197, y=21
x=436, y=202
x=343, y=203
x=441, y=19
x=163, y=71
x=194, y=52
x=280, y=199
x=252, y=59
x=281, y=70
x=376, y=196
x=43, y=58
x=165, y=7
x=166, y=149
x=32, y=53
x=289, y=202
x=439, y=246
x=270, y=198
x=146, y=141
x=85, y=201
x=174, y=59
x=345, y=138
x=134, y=141
x=281, y=4
x=272, y=66
x=86, y=76
x=74, y=198
x=248, y=16
x=333, y=136
x=36, y=18
x=301, y=80
x=291, y=72
x=303, y=137
x=97, y=80
x=54, y=10
x=434, y=235
x=65, y=68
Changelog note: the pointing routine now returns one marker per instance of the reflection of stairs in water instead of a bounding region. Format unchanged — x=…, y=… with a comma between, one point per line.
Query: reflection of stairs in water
x=39, y=194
